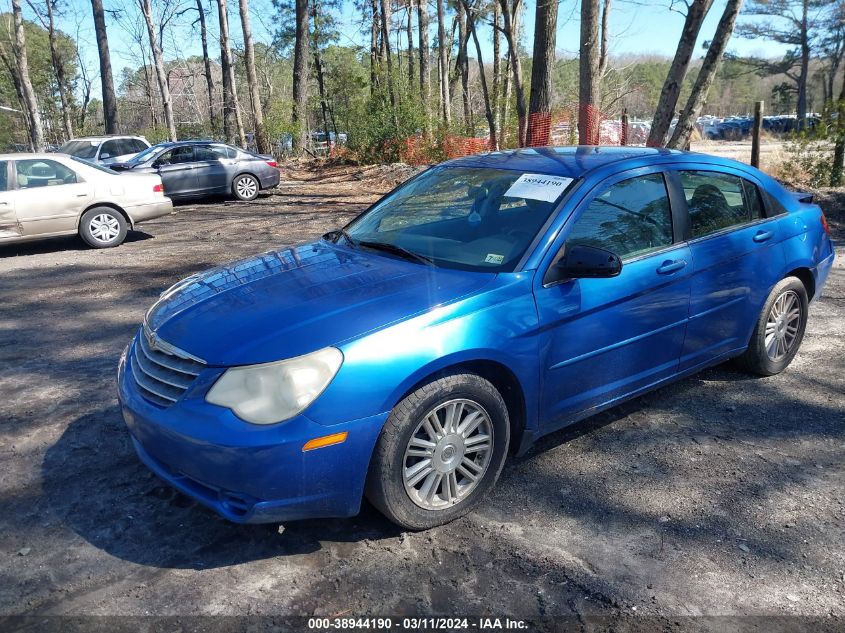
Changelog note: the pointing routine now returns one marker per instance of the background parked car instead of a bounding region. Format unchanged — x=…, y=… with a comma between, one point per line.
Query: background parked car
x=193, y=169
x=83, y=198
x=105, y=149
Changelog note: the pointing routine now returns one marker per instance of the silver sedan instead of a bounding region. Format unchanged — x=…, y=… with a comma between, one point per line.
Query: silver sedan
x=194, y=169
x=48, y=195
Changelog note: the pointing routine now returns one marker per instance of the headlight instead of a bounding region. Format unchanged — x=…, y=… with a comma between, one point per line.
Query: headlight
x=273, y=392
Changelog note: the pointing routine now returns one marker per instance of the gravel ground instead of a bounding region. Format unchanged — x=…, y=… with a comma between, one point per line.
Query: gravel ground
x=719, y=495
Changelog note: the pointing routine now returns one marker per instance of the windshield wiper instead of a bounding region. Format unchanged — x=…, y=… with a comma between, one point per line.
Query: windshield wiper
x=395, y=249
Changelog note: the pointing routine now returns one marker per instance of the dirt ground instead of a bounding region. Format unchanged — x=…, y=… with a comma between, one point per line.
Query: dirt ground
x=719, y=495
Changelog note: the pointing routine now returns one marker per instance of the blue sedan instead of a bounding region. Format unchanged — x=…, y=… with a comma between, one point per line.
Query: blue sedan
x=484, y=303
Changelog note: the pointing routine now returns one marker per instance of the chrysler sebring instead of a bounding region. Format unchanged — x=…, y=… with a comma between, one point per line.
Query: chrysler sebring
x=488, y=301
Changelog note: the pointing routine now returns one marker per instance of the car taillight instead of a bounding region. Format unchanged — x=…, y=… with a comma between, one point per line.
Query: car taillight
x=825, y=225
x=271, y=163
x=159, y=188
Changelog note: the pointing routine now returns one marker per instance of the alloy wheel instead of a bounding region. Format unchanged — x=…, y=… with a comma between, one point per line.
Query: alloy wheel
x=247, y=187
x=783, y=325
x=104, y=227
x=448, y=454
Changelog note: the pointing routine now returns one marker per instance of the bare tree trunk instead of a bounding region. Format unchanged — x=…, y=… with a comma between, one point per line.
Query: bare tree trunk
x=589, y=90
x=805, y=65
x=836, y=175
x=540, y=106
x=110, y=115
x=30, y=102
x=677, y=72
x=409, y=30
x=318, y=66
x=686, y=122
x=445, y=103
x=374, y=48
x=300, y=75
x=425, y=63
x=462, y=67
x=262, y=144
x=158, y=63
x=385, y=40
x=232, y=123
x=497, y=62
x=510, y=15
x=488, y=108
x=504, y=105
x=59, y=72
x=604, y=54
x=206, y=60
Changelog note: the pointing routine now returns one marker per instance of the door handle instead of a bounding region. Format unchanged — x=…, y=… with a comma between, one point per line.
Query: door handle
x=82, y=195
x=762, y=236
x=670, y=266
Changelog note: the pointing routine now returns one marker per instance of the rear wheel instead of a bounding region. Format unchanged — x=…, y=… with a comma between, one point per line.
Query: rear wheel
x=440, y=452
x=103, y=227
x=246, y=187
x=779, y=329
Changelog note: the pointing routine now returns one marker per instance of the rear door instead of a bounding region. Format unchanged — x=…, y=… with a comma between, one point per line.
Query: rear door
x=736, y=260
x=607, y=338
x=213, y=167
x=50, y=196
x=176, y=168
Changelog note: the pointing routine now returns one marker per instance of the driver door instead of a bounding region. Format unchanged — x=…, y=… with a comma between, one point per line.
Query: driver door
x=50, y=196
x=176, y=168
x=608, y=338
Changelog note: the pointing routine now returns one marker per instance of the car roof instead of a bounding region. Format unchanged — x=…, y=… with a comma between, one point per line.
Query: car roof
x=577, y=161
x=195, y=141
x=104, y=137
x=32, y=155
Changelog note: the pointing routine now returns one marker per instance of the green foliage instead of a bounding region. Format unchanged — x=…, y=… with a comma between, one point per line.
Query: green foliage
x=13, y=128
x=809, y=160
x=377, y=132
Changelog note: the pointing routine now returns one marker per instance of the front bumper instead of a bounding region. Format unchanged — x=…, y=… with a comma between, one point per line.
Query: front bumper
x=142, y=212
x=249, y=473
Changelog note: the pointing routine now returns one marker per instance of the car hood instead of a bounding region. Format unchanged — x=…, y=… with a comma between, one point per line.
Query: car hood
x=290, y=302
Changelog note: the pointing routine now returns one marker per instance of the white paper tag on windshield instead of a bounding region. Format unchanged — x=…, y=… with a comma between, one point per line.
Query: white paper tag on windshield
x=538, y=187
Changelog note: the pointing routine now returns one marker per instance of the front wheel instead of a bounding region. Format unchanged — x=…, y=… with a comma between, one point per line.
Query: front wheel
x=440, y=452
x=103, y=227
x=779, y=329
x=246, y=187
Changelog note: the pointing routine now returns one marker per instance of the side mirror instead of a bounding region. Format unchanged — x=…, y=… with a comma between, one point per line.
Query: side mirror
x=584, y=262
x=104, y=155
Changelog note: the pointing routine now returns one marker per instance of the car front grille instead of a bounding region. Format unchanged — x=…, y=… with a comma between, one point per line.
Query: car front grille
x=160, y=372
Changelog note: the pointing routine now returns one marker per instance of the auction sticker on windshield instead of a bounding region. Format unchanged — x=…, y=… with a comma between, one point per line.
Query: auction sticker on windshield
x=538, y=187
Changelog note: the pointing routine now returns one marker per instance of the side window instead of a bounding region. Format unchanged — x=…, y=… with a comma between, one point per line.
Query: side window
x=182, y=154
x=40, y=172
x=211, y=152
x=4, y=175
x=629, y=219
x=719, y=201
x=137, y=145
x=112, y=148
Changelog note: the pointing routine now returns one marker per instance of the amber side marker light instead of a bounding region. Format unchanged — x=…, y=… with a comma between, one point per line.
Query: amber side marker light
x=326, y=440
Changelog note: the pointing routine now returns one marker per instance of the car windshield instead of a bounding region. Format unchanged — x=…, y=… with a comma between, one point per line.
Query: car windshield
x=462, y=217
x=143, y=157
x=80, y=149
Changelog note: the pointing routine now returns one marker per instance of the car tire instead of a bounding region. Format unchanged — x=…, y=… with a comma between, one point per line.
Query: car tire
x=779, y=329
x=103, y=227
x=466, y=408
x=246, y=187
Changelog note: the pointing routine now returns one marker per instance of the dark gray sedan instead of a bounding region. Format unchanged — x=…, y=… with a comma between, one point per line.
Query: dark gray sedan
x=193, y=169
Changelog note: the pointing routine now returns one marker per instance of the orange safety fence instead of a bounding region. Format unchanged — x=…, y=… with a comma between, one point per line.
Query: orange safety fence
x=558, y=127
